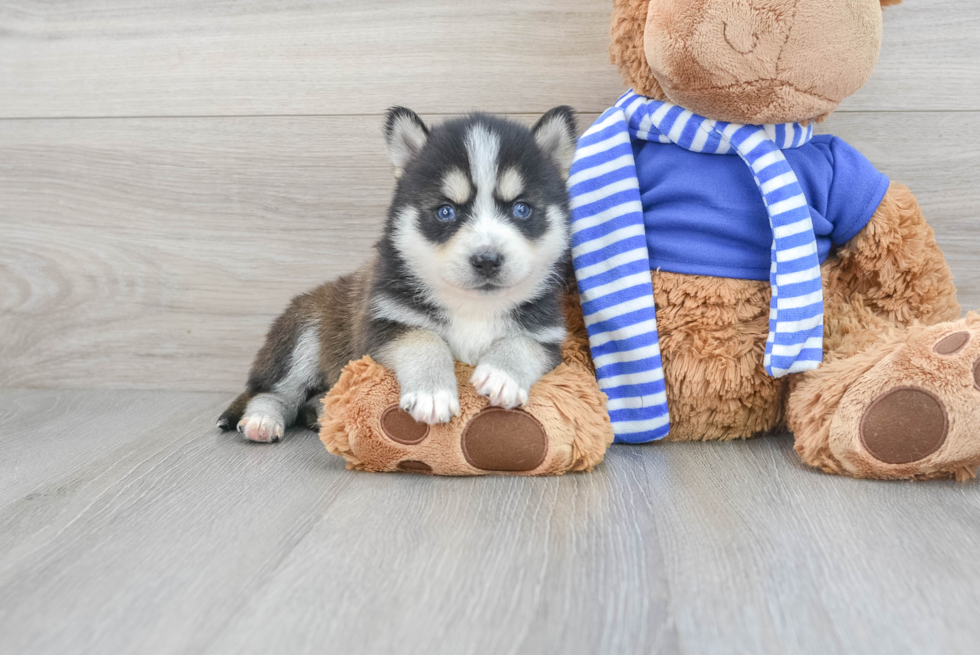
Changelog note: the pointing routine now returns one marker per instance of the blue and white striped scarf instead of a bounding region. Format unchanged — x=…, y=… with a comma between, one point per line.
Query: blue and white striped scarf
x=609, y=250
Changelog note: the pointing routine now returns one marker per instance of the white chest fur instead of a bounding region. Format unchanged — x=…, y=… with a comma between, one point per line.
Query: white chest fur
x=470, y=337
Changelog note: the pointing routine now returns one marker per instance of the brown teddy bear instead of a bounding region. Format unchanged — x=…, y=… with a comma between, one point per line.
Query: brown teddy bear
x=897, y=390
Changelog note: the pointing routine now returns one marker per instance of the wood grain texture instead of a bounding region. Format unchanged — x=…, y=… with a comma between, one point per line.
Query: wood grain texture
x=136, y=240
x=146, y=58
x=128, y=236
x=154, y=253
x=129, y=524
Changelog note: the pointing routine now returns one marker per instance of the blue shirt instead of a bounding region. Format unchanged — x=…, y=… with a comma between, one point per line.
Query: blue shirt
x=704, y=214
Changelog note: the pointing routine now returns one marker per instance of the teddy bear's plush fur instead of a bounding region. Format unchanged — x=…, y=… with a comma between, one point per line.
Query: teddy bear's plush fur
x=898, y=393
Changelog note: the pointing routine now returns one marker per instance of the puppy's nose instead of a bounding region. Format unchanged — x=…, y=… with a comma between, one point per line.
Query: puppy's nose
x=487, y=264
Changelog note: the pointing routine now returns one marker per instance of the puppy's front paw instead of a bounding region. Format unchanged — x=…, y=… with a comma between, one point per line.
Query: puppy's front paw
x=498, y=386
x=431, y=407
x=262, y=427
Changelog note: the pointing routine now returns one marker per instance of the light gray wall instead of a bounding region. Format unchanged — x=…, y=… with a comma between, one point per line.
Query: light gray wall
x=172, y=173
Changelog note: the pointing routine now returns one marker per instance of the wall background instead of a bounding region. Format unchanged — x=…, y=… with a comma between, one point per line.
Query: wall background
x=171, y=174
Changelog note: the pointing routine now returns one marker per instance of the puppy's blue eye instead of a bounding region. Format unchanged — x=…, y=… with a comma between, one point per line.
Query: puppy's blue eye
x=521, y=210
x=446, y=214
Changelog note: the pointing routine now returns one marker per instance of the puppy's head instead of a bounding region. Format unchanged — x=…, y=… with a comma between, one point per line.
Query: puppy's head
x=480, y=208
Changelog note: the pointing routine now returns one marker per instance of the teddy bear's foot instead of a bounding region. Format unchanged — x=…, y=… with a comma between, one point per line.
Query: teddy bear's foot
x=495, y=440
x=563, y=427
x=908, y=408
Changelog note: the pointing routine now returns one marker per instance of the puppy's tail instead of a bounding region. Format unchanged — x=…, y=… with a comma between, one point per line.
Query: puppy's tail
x=231, y=416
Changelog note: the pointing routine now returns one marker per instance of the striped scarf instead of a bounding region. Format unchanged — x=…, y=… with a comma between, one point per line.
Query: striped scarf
x=609, y=250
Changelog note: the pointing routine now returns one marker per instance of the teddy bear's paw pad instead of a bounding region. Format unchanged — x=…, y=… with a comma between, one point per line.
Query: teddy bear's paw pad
x=399, y=426
x=414, y=466
x=976, y=375
x=904, y=425
x=500, y=439
x=952, y=344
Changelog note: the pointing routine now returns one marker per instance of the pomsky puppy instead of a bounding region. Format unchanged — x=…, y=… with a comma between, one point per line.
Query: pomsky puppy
x=470, y=267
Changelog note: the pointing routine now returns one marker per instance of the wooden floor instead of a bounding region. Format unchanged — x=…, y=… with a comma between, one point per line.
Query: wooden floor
x=171, y=173
x=129, y=525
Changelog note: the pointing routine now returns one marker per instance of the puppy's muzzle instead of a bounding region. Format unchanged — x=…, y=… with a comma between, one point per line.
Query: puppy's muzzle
x=487, y=264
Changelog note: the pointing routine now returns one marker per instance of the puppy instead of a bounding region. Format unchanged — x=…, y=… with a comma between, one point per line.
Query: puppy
x=470, y=267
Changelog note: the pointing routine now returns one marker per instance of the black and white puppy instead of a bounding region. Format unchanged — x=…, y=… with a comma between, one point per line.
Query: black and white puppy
x=470, y=267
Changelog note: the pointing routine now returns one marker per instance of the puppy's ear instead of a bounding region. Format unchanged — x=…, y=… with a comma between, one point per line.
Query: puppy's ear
x=406, y=135
x=557, y=134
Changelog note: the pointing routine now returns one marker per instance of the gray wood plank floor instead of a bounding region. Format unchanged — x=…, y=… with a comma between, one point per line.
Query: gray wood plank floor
x=129, y=525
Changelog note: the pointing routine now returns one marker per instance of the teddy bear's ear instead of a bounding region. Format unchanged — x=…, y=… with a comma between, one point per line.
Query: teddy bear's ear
x=889, y=3
x=629, y=18
x=556, y=134
x=406, y=135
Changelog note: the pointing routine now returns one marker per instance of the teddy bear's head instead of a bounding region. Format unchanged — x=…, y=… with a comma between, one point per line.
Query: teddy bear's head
x=748, y=61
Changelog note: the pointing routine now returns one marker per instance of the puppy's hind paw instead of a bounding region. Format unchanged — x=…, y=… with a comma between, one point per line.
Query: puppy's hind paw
x=262, y=428
x=499, y=387
x=431, y=407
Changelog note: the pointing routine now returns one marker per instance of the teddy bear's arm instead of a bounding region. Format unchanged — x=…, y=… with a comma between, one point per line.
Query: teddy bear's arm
x=891, y=273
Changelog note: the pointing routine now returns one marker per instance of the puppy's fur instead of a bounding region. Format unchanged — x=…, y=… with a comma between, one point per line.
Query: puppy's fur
x=470, y=267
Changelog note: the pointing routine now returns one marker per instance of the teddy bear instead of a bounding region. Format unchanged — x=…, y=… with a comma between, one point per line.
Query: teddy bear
x=791, y=283
x=737, y=275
